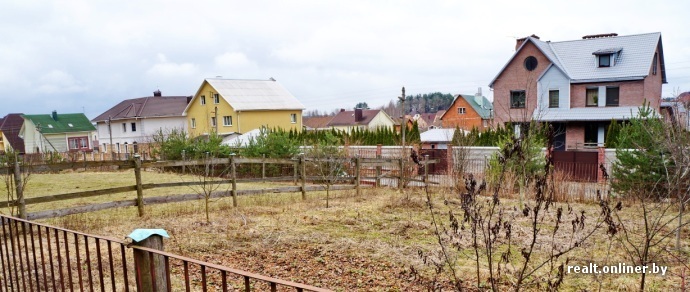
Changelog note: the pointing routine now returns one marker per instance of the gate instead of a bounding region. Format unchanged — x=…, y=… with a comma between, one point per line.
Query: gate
x=577, y=165
x=441, y=155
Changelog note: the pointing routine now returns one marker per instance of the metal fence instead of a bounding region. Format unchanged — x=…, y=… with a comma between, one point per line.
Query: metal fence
x=38, y=257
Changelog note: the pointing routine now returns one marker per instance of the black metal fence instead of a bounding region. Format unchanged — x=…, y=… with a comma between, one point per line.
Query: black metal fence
x=38, y=257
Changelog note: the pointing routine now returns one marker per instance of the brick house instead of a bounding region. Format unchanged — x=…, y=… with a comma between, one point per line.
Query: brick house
x=580, y=86
x=469, y=111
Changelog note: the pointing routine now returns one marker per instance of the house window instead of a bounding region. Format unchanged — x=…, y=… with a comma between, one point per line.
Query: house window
x=553, y=98
x=135, y=145
x=654, y=63
x=462, y=110
x=118, y=147
x=530, y=63
x=611, y=96
x=213, y=122
x=293, y=118
x=78, y=143
x=124, y=127
x=591, y=134
x=227, y=120
x=193, y=123
x=216, y=98
x=105, y=147
x=126, y=148
x=203, y=100
x=485, y=123
x=517, y=99
x=592, y=97
x=605, y=60
x=134, y=127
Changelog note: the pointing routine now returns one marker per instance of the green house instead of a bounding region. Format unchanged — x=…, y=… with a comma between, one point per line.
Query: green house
x=57, y=133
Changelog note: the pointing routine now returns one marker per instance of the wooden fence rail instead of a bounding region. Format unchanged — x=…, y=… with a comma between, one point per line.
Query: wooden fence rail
x=140, y=201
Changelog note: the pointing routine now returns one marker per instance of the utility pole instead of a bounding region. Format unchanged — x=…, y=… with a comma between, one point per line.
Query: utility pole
x=403, y=129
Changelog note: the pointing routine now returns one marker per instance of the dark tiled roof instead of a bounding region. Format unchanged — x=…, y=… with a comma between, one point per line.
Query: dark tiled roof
x=146, y=107
x=347, y=118
x=10, y=126
x=65, y=123
x=316, y=122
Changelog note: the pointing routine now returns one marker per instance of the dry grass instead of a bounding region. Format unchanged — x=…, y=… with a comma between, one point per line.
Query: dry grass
x=365, y=242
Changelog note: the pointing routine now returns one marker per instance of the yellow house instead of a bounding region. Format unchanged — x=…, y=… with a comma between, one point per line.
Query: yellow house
x=229, y=106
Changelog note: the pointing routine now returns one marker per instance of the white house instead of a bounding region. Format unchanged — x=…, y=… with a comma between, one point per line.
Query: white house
x=132, y=123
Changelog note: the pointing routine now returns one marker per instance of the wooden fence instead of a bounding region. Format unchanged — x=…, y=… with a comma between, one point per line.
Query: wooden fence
x=365, y=170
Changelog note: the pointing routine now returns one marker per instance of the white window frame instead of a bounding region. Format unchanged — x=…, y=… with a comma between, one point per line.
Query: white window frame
x=227, y=121
x=293, y=118
x=214, y=123
x=202, y=100
x=193, y=123
x=216, y=98
x=124, y=127
x=462, y=110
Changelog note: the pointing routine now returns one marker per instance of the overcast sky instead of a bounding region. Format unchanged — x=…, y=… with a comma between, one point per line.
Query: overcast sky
x=86, y=56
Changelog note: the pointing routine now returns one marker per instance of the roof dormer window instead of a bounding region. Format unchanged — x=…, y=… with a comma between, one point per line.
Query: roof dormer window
x=607, y=57
x=604, y=60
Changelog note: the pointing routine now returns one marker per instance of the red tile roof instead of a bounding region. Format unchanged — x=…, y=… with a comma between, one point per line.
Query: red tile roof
x=316, y=122
x=146, y=107
x=347, y=118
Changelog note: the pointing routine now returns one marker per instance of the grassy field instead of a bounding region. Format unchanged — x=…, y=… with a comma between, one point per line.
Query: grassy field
x=368, y=242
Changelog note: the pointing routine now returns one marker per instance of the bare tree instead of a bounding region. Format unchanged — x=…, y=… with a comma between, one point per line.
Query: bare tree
x=210, y=178
x=329, y=162
x=16, y=176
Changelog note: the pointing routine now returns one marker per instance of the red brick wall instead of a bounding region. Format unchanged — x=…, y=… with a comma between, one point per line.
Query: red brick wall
x=631, y=93
x=467, y=121
x=652, y=85
x=574, y=133
x=516, y=77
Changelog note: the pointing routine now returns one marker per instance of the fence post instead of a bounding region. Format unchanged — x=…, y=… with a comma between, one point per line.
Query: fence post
x=233, y=175
x=378, y=167
x=263, y=167
x=140, y=189
x=19, y=188
x=183, y=159
x=150, y=276
x=357, y=176
x=426, y=169
x=303, y=177
x=402, y=173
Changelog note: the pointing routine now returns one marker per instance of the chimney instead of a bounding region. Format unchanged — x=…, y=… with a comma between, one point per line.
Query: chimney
x=519, y=41
x=342, y=110
x=478, y=98
x=189, y=98
x=157, y=92
x=54, y=116
x=358, y=114
x=596, y=36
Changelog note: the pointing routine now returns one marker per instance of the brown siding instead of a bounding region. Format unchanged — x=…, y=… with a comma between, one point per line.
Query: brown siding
x=516, y=77
x=471, y=119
